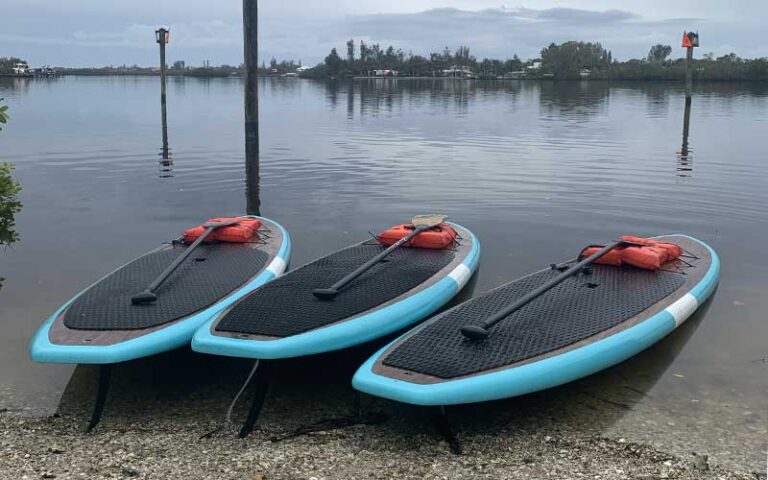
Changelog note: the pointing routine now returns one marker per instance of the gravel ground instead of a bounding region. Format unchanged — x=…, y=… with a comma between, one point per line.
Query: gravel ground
x=159, y=409
x=53, y=448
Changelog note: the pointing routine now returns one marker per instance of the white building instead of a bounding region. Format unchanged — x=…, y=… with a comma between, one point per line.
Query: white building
x=456, y=71
x=535, y=65
x=385, y=73
x=21, y=69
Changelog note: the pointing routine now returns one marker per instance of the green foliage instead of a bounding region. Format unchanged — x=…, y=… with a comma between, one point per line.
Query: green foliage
x=7, y=63
x=566, y=60
x=658, y=53
x=9, y=201
x=333, y=63
x=3, y=113
x=9, y=205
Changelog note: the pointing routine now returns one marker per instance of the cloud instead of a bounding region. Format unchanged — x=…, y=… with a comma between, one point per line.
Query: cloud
x=195, y=34
x=309, y=36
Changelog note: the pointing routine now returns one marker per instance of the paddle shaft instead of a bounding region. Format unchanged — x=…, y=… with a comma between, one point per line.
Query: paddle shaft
x=499, y=316
x=173, y=266
x=331, y=292
x=147, y=295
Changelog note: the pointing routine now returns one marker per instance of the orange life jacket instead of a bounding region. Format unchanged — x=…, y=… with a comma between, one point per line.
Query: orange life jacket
x=437, y=237
x=641, y=252
x=246, y=230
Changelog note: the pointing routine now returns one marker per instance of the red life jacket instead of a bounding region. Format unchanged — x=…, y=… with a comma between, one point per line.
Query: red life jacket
x=246, y=230
x=437, y=237
x=643, y=253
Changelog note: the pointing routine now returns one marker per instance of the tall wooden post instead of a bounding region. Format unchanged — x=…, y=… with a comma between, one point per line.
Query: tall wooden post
x=690, y=40
x=162, y=37
x=688, y=71
x=251, y=97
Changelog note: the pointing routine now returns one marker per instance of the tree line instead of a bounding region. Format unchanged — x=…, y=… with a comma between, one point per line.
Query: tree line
x=568, y=60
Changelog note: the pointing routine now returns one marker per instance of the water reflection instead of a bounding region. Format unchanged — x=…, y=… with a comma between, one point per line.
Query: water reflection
x=579, y=101
x=684, y=157
x=575, y=101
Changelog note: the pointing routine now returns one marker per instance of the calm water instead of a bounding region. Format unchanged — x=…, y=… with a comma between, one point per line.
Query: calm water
x=536, y=170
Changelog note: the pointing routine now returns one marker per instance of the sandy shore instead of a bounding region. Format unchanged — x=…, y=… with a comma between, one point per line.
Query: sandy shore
x=159, y=408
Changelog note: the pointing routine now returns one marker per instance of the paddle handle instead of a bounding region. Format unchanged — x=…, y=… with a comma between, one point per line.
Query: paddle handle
x=329, y=293
x=480, y=331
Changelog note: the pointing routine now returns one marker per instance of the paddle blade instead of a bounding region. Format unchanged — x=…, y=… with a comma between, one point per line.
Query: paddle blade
x=474, y=332
x=325, y=293
x=428, y=220
x=143, y=297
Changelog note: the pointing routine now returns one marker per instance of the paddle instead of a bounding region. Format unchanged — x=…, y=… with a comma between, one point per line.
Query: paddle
x=148, y=295
x=479, y=332
x=420, y=222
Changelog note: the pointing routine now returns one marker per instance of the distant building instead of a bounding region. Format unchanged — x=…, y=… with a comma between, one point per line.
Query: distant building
x=303, y=69
x=385, y=73
x=458, y=72
x=22, y=69
x=534, y=65
x=585, y=72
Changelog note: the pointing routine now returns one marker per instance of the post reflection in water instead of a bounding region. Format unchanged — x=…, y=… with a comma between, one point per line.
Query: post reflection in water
x=165, y=164
x=684, y=157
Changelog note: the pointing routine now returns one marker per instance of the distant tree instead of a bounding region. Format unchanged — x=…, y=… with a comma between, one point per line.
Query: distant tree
x=462, y=57
x=350, y=51
x=179, y=65
x=567, y=59
x=658, y=53
x=333, y=63
x=729, y=58
x=7, y=64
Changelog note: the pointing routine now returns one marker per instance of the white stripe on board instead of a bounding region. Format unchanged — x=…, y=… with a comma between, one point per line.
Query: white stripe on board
x=683, y=308
x=277, y=266
x=460, y=275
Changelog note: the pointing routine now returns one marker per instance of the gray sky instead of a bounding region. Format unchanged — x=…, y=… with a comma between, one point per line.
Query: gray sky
x=98, y=32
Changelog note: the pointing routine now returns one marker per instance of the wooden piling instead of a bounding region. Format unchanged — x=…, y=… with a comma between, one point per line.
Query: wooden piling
x=689, y=71
x=251, y=100
x=160, y=37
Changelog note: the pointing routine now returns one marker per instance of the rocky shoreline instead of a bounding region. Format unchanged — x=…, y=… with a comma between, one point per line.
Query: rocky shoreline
x=159, y=411
x=55, y=447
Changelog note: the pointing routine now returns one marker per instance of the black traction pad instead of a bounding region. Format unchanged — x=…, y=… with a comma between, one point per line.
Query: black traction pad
x=576, y=309
x=210, y=273
x=286, y=306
